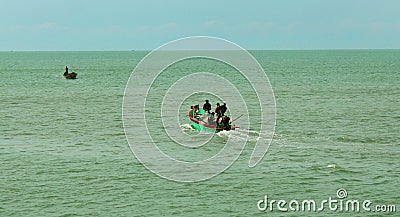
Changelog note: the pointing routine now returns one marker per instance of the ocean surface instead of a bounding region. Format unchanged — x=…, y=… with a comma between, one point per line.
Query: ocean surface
x=63, y=149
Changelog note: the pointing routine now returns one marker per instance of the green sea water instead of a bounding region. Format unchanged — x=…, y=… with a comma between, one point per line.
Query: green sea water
x=63, y=149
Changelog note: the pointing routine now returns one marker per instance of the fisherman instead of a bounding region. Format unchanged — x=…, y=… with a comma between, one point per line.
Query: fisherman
x=207, y=106
x=196, y=111
x=222, y=109
x=217, y=109
x=66, y=71
x=218, y=113
x=210, y=119
x=226, y=123
x=191, y=111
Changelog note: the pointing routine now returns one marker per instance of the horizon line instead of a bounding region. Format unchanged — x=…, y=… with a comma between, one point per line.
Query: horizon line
x=145, y=50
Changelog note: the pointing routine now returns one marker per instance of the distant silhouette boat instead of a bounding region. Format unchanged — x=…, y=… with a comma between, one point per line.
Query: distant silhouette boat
x=70, y=75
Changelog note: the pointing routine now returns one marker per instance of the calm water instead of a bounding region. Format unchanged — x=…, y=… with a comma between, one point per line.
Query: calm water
x=63, y=150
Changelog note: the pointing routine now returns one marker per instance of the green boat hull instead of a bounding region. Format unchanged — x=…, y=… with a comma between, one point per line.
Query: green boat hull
x=202, y=128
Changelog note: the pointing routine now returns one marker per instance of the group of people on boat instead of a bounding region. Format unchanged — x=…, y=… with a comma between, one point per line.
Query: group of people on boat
x=216, y=118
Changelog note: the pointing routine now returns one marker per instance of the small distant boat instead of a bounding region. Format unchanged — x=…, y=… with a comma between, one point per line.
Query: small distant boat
x=70, y=75
x=200, y=125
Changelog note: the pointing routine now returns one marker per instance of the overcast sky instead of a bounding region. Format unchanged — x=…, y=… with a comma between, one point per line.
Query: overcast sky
x=147, y=24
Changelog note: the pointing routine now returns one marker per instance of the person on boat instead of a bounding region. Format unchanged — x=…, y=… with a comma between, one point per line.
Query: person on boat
x=217, y=109
x=207, y=106
x=210, y=118
x=218, y=112
x=66, y=71
x=196, y=111
x=226, y=123
x=191, y=111
x=223, y=109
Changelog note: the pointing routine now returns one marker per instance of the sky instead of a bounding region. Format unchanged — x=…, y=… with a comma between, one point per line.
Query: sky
x=74, y=25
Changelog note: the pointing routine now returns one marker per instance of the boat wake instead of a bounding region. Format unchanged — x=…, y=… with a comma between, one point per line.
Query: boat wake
x=238, y=134
x=186, y=127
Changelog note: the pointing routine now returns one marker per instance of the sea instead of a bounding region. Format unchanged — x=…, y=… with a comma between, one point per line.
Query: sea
x=64, y=152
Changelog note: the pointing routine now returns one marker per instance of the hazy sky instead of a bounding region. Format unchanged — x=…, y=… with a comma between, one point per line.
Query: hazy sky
x=147, y=24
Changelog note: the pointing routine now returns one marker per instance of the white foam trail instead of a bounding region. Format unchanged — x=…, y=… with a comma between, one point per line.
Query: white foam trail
x=224, y=134
x=331, y=166
x=186, y=127
x=237, y=134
